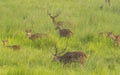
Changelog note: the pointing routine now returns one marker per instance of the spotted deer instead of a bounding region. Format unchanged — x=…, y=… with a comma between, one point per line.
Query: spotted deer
x=35, y=35
x=116, y=38
x=14, y=47
x=64, y=32
x=69, y=57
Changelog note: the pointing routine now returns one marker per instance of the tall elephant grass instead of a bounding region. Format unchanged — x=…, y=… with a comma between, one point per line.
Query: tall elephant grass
x=103, y=56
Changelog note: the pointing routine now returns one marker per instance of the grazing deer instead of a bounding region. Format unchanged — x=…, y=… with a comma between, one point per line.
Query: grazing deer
x=116, y=38
x=69, y=57
x=108, y=1
x=35, y=36
x=64, y=32
x=14, y=47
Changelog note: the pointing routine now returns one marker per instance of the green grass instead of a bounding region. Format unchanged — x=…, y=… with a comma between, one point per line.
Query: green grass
x=103, y=58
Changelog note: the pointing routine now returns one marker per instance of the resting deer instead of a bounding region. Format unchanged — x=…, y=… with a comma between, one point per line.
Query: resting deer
x=64, y=32
x=116, y=38
x=35, y=36
x=14, y=47
x=69, y=57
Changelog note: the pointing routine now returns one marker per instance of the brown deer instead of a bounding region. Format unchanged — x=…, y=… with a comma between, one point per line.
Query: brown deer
x=35, y=36
x=69, y=57
x=64, y=32
x=116, y=38
x=14, y=47
x=108, y=1
x=60, y=23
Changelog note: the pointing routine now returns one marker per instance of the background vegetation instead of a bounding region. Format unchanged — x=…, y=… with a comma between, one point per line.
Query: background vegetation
x=103, y=57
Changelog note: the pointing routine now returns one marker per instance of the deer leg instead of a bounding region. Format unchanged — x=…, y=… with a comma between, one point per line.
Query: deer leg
x=81, y=61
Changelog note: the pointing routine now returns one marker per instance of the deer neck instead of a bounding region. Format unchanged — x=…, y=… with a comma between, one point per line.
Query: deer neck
x=59, y=28
x=54, y=20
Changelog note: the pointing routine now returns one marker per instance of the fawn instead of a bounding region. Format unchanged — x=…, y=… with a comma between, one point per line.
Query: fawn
x=69, y=57
x=35, y=36
x=64, y=32
x=14, y=47
x=116, y=38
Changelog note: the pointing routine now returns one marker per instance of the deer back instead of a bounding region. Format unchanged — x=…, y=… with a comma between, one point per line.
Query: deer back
x=65, y=33
x=70, y=57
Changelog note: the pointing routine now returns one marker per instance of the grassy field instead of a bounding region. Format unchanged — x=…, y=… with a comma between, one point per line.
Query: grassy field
x=103, y=57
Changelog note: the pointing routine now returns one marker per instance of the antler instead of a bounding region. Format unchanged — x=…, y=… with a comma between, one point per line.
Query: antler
x=55, y=16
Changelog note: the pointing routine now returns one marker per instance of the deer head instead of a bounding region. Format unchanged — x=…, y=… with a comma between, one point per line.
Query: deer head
x=53, y=17
x=111, y=35
x=57, y=55
x=4, y=42
x=28, y=31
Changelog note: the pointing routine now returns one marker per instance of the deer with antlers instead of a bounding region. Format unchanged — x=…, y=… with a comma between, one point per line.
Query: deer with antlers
x=69, y=57
x=14, y=47
x=35, y=36
x=116, y=38
x=60, y=23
